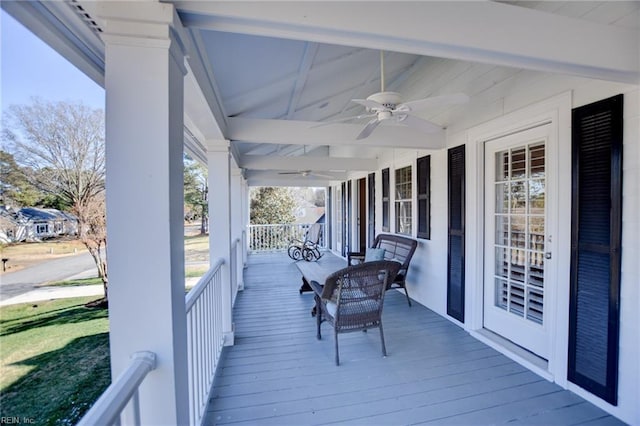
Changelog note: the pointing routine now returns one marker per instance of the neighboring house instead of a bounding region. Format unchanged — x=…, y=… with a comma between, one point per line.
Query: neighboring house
x=524, y=199
x=308, y=213
x=35, y=224
x=9, y=227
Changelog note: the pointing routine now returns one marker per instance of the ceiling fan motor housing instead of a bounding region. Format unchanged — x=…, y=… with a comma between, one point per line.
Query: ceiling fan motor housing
x=387, y=99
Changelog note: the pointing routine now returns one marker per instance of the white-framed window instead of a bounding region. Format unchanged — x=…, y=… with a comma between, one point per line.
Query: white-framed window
x=42, y=228
x=403, y=204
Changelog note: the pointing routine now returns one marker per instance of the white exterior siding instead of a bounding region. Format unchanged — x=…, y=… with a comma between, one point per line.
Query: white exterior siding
x=500, y=97
x=629, y=374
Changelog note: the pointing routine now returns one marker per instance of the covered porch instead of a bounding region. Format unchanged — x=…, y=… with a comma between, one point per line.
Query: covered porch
x=275, y=94
x=279, y=373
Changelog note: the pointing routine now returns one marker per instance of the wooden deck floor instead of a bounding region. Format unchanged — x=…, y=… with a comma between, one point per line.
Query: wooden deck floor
x=279, y=374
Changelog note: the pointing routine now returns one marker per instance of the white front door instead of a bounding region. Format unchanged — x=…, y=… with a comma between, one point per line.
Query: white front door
x=517, y=239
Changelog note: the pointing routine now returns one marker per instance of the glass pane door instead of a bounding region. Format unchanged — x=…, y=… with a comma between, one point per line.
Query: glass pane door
x=516, y=238
x=519, y=223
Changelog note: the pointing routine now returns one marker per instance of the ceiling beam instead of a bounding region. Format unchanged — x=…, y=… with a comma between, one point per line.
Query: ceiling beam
x=309, y=133
x=201, y=89
x=318, y=164
x=297, y=181
x=197, y=106
x=274, y=178
x=310, y=50
x=287, y=174
x=486, y=32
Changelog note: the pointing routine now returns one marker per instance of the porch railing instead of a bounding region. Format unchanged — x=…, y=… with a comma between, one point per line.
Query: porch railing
x=123, y=392
x=205, y=338
x=277, y=237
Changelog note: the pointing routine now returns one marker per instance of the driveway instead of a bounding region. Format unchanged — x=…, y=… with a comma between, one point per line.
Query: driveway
x=27, y=280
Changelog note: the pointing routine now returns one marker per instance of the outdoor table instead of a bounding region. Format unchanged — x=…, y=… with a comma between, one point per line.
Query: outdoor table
x=314, y=275
x=318, y=271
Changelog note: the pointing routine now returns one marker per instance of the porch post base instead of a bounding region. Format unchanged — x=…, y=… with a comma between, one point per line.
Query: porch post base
x=228, y=338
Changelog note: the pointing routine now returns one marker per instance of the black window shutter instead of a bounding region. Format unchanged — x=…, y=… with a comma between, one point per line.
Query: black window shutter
x=424, y=194
x=328, y=220
x=343, y=231
x=349, y=216
x=596, y=226
x=385, y=200
x=455, y=263
x=372, y=207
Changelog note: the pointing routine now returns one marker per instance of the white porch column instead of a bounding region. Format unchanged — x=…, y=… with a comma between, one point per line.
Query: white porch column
x=219, y=169
x=144, y=144
x=237, y=222
x=245, y=220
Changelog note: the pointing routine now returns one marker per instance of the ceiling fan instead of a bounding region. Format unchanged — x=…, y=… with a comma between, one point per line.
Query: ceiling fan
x=388, y=106
x=307, y=173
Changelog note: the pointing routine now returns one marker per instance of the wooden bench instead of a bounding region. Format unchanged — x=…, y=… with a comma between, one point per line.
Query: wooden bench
x=397, y=248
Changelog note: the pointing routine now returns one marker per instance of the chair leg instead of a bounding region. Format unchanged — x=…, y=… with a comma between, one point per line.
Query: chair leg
x=337, y=354
x=318, y=315
x=384, y=348
x=407, y=293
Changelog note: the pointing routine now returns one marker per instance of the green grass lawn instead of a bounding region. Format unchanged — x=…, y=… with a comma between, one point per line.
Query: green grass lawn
x=71, y=283
x=196, y=248
x=54, y=360
x=195, y=272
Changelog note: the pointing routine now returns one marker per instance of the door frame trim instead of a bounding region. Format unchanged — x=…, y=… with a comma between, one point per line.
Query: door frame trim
x=557, y=111
x=524, y=138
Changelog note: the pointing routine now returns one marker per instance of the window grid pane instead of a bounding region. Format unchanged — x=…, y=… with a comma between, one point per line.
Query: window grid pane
x=403, y=204
x=519, y=230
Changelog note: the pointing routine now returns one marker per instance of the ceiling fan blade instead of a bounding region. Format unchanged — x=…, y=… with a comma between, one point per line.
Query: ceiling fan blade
x=307, y=173
x=370, y=104
x=299, y=172
x=322, y=176
x=371, y=125
x=419, y=104
x=344, y=120
x=419, y=124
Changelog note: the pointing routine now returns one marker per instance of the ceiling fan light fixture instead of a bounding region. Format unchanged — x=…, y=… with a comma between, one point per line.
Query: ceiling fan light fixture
x=384, y=115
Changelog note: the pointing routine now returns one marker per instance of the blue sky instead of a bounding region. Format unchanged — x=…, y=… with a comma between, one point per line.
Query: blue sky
x=28, y=68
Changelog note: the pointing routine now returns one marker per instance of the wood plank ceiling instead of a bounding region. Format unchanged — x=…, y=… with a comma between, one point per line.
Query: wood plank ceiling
x=264, y=82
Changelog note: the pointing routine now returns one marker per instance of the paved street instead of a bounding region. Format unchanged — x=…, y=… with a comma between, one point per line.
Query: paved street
x=14, y=284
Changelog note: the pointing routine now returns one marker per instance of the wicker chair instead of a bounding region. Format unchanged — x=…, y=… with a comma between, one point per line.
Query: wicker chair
x=352, y=299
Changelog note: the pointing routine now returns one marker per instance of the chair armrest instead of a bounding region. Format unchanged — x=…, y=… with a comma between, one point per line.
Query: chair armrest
x=330, y=285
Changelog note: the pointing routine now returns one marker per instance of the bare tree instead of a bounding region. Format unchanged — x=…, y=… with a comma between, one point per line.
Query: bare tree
x=93, y=234
x=196, y=191
x=63, y=145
